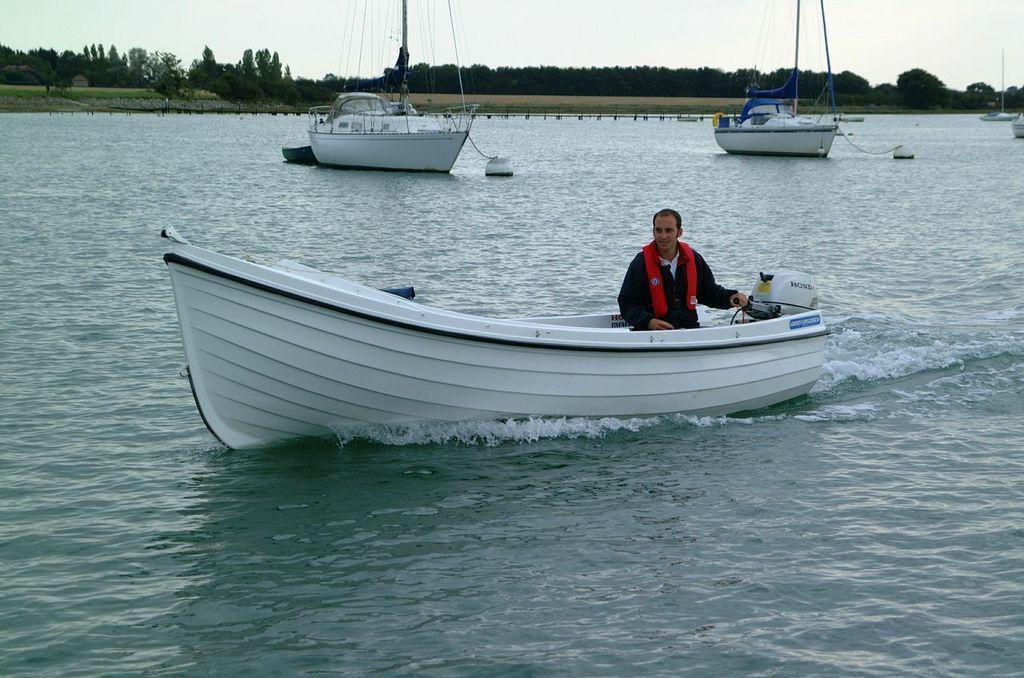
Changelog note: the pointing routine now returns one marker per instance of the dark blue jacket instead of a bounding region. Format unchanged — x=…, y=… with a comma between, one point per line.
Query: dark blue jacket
x=635, y=296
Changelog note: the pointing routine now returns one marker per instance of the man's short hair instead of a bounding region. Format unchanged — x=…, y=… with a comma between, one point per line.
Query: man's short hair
x=668, y=213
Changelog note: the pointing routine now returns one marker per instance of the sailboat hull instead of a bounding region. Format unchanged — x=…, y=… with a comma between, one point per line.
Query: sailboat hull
x=417, y=152
x=813, y=141
x=997, y=117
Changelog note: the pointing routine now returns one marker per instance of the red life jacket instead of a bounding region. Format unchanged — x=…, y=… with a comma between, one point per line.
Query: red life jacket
x=652, y=264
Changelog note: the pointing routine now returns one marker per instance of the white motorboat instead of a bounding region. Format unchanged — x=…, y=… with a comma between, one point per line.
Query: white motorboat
x=769, y=124
x=278, y=351
x=361, y=130
x=1018, y=126
x=1001, y=115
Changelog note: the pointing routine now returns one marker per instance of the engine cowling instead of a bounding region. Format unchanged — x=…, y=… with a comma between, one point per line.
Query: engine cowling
x=792, y=291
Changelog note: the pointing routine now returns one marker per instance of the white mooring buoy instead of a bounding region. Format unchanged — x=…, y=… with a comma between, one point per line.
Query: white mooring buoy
x=902, y=152
x=498, y=167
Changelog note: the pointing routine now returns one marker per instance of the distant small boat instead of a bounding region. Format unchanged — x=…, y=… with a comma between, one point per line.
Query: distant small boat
x=997, y=116
x=1001, y=115
x=301, y=155
x=1018, y=126
x=850, y=118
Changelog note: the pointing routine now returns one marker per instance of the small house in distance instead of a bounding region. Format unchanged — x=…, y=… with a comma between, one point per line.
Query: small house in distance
x=79, y=81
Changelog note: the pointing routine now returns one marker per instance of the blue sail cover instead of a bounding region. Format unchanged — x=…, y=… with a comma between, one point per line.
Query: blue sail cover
x=754, y=103
x=787, y=91
x=391, y=78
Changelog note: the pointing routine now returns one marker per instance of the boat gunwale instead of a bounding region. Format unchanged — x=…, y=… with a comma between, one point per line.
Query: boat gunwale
x=397, y=135
x=807, y=129
x=176, y=258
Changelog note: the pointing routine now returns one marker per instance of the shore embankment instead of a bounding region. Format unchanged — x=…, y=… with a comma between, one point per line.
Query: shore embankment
x=58, y=104
x=145, y=101
x=491, y=104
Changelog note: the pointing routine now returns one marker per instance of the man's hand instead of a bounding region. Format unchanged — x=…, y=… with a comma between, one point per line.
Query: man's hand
x=738, y=300
x=656, y=324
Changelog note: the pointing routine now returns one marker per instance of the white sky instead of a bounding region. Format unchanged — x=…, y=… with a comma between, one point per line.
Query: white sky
x=957, y=40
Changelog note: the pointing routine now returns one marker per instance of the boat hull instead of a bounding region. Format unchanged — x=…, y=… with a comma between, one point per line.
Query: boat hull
x=300, y=155
x=805, y=141
x=407, y=152
x=276, y=361
x=1018, y=128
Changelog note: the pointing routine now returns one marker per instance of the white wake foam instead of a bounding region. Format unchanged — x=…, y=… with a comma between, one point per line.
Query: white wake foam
x=861, y=349
x=490, y=433
x=532, y=429
x=897, y=350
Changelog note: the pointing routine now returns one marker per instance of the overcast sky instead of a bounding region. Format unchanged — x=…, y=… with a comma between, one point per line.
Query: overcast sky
x=957, y=40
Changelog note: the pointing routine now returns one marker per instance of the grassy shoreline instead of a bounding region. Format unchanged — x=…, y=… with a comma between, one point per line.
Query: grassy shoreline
x=37, y=99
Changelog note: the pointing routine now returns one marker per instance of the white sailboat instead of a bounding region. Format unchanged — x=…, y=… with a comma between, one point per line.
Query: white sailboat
x=1001, y=115
x=769, y=124
x=361, y=130
x=1018, y=126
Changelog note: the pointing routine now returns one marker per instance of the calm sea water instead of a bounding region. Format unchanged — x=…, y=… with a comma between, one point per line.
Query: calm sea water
x=873, y=527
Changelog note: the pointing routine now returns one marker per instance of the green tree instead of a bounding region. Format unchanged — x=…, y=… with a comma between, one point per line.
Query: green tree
x=137, y=59
x=118, y=68
x=275, y=69
x=202, y=73
x=848, y=83
x=247, y=67
x=263, y=64
x=165, y=74
x=977, y=95
x=921, y=90
x=209, y=64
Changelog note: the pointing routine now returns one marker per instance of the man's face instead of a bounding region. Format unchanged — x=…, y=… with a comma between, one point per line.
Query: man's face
x=666, y=233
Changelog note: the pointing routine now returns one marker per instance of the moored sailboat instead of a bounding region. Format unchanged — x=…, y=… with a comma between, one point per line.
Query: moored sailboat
x=361, y=130
x=1001, y=115
x=769, y=124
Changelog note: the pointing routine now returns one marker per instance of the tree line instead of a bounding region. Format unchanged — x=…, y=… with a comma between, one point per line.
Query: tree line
x=261, y=76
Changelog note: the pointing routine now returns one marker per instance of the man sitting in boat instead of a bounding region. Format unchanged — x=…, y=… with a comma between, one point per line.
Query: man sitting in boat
x=667, y=279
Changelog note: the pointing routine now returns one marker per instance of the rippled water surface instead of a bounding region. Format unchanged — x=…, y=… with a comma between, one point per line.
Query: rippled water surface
x=873, y=527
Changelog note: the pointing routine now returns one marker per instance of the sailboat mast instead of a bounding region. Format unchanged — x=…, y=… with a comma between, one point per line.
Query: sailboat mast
x=1002, y=85
x=405, y=51
x=828, y=63
x=796, y=59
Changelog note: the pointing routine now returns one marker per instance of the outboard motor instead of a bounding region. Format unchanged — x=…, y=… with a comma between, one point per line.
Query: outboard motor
x=782, y=293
